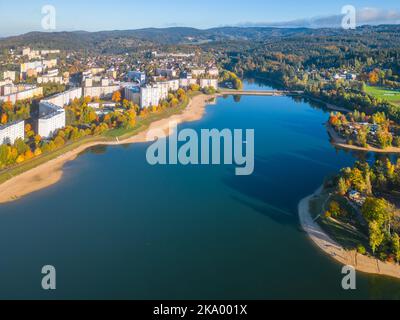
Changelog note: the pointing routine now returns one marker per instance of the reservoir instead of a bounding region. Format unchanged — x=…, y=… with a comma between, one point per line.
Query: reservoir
x=116, y=227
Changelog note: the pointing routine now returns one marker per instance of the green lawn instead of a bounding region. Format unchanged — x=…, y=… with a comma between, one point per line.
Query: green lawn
x=348, y=235
x=392, y=96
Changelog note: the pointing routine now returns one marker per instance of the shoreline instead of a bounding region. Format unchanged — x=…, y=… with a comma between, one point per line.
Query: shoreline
x=341, y=143
x=51, y=172
x=330, y=247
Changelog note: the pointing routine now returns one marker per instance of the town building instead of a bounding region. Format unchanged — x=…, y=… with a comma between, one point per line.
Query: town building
x=9, y=75
x=167, y=73
x=151, y=95
x=51, y=77
x=213, y=72
x=101, y=92
x=137, y=76
x=205, y=83
x=11, y=132
x=198, y=72
x=132, y=93
x=51, y=119
x=65, y=98
x=20, y=92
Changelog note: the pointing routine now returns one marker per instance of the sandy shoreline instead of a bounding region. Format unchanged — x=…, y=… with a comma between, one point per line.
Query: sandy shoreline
x=334, y=250
x=340, y=142
x=49, y=173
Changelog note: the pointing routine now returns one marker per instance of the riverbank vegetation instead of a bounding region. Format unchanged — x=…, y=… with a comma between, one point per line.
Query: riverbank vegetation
x=85, y=124
x=359, y=208
x=357, y=128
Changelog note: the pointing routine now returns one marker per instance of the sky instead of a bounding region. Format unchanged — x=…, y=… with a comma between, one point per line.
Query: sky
x=17, y=17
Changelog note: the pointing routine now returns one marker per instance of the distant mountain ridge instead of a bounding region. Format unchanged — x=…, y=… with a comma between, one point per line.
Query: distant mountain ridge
x=125, y=39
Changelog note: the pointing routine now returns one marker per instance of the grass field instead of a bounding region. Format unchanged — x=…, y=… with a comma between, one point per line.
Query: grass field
x=346, y=234
x=390, y=95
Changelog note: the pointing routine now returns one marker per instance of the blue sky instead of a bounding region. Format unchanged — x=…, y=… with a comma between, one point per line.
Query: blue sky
x=22, y=16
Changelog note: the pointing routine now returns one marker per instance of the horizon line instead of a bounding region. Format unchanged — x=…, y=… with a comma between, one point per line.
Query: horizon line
x=2, y=37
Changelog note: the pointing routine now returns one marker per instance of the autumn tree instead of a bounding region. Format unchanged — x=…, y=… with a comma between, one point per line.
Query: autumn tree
x=4, y=118
x=116, y=97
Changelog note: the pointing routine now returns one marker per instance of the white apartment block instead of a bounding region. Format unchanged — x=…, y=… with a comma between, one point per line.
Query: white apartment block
x=11, y=132
x=50, y=63
x=50, y=79
x=168, y=73
x=35, y=65
x=22, y=93
x=204, y=83
x=137, y=76
x=51, y=119
x=46, y=52
x=213, y=72
x=9, y=75
x=101, y=92
x=65, y=98
x=173, y=85
x=132, y=93
x=151, y=95
x=198, y=72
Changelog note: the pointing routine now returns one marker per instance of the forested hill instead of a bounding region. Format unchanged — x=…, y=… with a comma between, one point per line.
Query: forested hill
x=385, y=35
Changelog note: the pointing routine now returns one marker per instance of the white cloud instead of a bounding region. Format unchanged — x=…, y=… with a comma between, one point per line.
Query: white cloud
x=371, y=16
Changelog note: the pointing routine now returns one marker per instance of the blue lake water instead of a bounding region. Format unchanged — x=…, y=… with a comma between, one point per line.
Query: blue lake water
x=116, y=227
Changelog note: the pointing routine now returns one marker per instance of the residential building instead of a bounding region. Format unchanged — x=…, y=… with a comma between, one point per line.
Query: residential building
x=167, y=73
x=11, y=132
x=137, y=76
x=51, y=119
x=204, y=83
x=213, y=72
x=101, y=92
x=198, y=72
x=151, y=95
x=9, y=75
x=132, y=93
x=23, y=92
x=65, y=98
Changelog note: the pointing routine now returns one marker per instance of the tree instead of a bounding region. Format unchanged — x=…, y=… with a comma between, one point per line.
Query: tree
x=28, y=154
x=334, y=209
x=194, y=87
x=379, y=211
x=4, y=154
x=21, y=146
x=37, y=152
x=373, y=77
x=59, y=142
x=362, y=137
x=116, y=97
x=20, y=159
x=384, y=138
x=396, y=246
x=4, y=118
x=376, y=236
x=342, y=186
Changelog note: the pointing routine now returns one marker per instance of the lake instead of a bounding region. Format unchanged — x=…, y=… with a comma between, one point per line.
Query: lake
x=117, y=228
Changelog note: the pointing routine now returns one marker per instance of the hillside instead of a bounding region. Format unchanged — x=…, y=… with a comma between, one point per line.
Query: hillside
x=385, y=35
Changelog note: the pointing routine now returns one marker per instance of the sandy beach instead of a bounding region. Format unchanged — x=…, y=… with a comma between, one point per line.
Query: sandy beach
x=340, y=142
x=335, y=251
x=49, y=173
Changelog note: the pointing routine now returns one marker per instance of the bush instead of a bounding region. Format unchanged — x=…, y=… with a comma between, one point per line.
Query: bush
x=361, y=249
x=328, y=215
